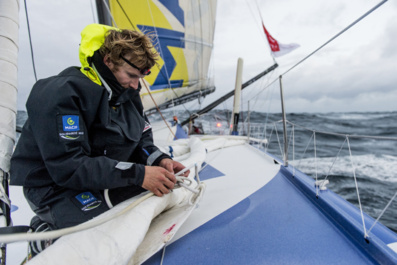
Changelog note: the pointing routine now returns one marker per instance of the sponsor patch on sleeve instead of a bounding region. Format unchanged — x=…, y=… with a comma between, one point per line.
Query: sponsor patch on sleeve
x=147, y=126
x=70, y=128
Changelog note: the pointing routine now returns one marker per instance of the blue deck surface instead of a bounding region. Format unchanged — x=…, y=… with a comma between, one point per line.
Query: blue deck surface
x=277, y=224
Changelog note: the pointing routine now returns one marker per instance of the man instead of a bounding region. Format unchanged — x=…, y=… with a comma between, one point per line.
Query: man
x=87, y=144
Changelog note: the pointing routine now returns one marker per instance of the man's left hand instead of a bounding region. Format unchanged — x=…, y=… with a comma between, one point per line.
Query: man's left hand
x=173, y=166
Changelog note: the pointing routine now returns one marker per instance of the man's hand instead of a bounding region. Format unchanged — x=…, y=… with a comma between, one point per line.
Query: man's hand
x=158, y=180
x=173, y=166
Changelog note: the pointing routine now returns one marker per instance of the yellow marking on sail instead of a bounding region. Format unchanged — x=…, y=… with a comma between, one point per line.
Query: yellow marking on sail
x=181, y=69
x=147, y=13
x=140, y=12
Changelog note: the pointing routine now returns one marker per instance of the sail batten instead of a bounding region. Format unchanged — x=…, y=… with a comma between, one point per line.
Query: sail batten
x=9, y=17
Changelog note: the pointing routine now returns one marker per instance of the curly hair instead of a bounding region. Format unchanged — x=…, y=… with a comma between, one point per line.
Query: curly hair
x=128, y=43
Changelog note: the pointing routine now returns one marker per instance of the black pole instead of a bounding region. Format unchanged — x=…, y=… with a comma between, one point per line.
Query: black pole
x=228, y=95
x=6, y=211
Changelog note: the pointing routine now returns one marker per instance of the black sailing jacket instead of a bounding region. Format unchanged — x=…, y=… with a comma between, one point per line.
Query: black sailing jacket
x=76, y=138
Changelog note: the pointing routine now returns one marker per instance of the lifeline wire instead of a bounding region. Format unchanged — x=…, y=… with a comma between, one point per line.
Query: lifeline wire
x=355, y=181
x=337, y=35
x=346, y=136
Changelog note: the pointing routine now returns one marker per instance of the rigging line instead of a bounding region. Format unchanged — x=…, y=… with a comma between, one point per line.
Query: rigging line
x=383, y=211
x=201, y=46
x=125, y=14
x=256, y=96
x=161, y=52
x=293, y=148
x=158, y=109
x=93, y=12
x=337, y=35
x=30, y=41
x=315, y=160
x=336, y=157
x=132, y=25
x=278, y=139
x=110, y=13
x=158, y=39
x=263, y=34
x=304, y=152
x=358, y=193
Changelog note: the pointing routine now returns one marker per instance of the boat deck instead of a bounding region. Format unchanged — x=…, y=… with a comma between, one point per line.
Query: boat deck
x=276, y=224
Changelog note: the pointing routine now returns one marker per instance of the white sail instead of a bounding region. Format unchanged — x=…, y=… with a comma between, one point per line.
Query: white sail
x=9, y=20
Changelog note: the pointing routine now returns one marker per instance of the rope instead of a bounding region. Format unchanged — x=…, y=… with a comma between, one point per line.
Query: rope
x=355, y=181
x=128, y=18
x=346, y=136
x=110, y=13
x=330, y=40
x=158, y=109
x=315, y=158
x=161, y=52
x=30, y=41
x=84, y=226
x=92, y=11
x=337, y=35
x=380, y=215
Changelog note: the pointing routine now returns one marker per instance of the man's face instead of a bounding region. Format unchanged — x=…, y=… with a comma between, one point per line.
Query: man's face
x=126, y=75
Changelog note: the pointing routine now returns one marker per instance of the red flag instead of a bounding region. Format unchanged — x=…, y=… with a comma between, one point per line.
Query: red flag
x=278, y=49
x=272, y=42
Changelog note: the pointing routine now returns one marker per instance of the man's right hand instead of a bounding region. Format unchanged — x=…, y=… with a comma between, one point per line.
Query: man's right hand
x=158, y=180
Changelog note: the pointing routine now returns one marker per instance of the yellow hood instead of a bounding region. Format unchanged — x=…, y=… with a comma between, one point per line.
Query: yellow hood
x=92, y=38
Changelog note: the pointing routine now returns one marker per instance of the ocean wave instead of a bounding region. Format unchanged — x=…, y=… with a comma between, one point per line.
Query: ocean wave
x=379, y=167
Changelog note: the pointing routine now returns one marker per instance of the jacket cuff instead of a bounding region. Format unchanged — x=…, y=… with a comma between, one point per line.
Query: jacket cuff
x=135, y=173
x=155, y=158
x=158, y=160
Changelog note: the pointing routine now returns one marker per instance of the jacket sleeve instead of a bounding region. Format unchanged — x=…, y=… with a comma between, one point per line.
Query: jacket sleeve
x=60, y=113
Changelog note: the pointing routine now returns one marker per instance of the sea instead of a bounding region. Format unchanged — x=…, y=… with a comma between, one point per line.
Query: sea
x=343, y=148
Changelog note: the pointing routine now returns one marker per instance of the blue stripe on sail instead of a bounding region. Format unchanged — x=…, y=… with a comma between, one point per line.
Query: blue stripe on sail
x=166, y=38
x=174, y=84
x=175, y=9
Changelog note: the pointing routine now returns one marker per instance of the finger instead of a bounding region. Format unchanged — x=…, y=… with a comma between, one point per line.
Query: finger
x=169, y=185
x=164, y=190
x=158, y=193
x=170, y=167
x=171, y=177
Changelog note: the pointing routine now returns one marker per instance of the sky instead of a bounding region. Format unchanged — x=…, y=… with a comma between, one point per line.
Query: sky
x=355, y=72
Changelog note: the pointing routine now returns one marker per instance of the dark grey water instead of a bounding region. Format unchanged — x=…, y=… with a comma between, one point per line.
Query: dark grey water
x=374, y=160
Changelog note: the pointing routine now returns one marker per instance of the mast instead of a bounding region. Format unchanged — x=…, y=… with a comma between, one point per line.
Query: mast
x=103, y=12
x=237, y=97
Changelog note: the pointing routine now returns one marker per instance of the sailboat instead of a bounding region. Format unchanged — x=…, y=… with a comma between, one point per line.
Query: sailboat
x=241, y=205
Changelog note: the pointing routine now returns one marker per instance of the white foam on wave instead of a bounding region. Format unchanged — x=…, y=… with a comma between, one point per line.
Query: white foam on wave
x=356, y=116
x=383, y=167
